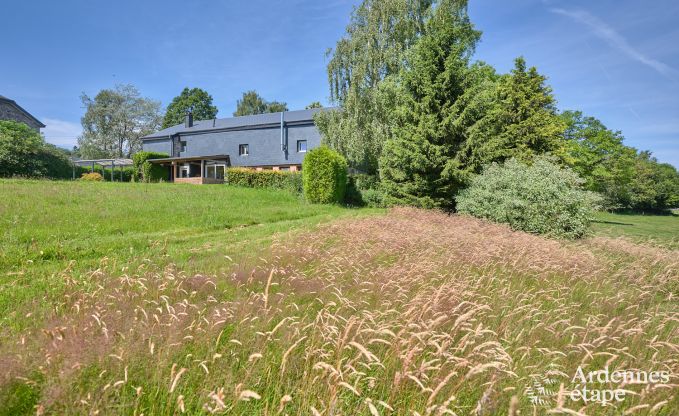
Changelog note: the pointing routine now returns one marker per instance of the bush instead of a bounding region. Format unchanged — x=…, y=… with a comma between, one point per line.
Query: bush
x=278, y=179
x=542, y=198
x=373, y=198
x=358, y=186
x=23, y=152
x=325, y=176
x=92, y=177
x=145, y=171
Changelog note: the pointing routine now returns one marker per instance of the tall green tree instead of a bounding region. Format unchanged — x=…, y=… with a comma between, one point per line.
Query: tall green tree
x=115, y=120
x=414, y=165
x=374, y=47
x=195, y=99
x=253, y=103
x=520, y=121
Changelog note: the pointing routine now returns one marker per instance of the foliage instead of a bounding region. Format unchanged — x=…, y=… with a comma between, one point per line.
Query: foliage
x=654, y=186
x=253, y=103
x=373, y=48
x=627, y=179
x=315, y=104
x=363, y=190
x=517, y=120
x=195, y=99
x=92, y=177
x=277, y=179
x=542, y=198
x=114, y=122
x=124, y=174
x=414, y=165
x=145, y=171
x=23, y=152
x=324, y=175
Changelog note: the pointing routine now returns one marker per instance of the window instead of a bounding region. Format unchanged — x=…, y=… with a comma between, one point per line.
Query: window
x=243, y=150
x=301, y=146
x=183, y=146
x=285, y=168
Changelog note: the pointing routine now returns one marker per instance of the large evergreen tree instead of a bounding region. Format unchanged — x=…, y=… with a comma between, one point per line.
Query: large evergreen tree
x=414, y=165
x=521, y=121
x=196, y=99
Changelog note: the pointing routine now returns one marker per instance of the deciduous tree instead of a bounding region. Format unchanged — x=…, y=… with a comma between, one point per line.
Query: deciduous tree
x=115, y=120
x=194, y=99
x=374, y=47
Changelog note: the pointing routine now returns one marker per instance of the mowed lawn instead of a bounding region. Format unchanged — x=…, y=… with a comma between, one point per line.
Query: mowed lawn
x=661, y=230
x=51, y=227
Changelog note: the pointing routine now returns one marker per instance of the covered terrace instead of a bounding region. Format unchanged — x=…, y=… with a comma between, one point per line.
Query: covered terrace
x=196, y=169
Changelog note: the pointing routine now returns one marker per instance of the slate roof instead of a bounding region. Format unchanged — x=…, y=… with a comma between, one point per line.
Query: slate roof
x=12, y=102
x=237, y=123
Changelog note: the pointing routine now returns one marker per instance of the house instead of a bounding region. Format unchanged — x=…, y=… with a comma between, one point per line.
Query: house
x=201, y=150
x=10, y=110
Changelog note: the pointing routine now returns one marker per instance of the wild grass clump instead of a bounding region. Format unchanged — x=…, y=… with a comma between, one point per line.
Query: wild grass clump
x=416, y=313
x=541, y=198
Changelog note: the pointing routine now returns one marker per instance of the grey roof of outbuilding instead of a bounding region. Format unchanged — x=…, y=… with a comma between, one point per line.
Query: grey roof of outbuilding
x=9, y=100
x=242, y=122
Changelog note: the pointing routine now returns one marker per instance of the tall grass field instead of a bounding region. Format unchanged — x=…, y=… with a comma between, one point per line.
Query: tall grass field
x=165, y=299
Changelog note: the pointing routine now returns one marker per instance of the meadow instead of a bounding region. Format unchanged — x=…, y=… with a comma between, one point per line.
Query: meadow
x=164, y=299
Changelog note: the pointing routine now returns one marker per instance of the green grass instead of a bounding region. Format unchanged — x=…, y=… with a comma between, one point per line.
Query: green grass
x=48, y=227
x=662, y=230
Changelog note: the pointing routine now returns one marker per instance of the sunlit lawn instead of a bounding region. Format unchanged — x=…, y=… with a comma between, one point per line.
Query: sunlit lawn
x=660, y=230
x=48, y=227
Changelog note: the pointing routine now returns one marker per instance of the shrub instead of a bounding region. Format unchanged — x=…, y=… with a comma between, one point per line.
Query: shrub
x=542, y=198
x=324, y=175
x=145, y=171
x=92, y=177
x=291, y=181
x=23, y=152
x=357, y=187
x=373, y=198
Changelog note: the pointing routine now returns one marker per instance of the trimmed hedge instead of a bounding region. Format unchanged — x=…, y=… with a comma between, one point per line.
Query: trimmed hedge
x=278, y=179
x=325, y=176
x=145, y=171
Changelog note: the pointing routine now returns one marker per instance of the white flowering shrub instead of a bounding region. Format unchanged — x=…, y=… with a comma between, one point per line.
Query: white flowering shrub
x=541, y=198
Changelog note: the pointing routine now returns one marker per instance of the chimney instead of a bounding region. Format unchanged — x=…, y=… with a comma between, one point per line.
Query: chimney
x=188, y=122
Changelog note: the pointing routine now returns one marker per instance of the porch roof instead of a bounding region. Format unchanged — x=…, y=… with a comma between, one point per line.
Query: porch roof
x=174, y=160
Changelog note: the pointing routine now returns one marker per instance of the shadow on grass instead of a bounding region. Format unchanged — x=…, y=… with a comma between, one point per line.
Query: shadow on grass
x=610, y=222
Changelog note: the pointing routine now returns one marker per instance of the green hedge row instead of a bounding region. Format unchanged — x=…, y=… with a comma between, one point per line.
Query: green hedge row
x=291, y=181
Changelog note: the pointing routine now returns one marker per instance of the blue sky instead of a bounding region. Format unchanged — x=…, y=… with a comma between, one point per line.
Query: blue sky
x=615, y=60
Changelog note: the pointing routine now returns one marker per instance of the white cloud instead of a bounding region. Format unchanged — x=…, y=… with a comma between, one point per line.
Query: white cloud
x=60, y=132
x=617, y=41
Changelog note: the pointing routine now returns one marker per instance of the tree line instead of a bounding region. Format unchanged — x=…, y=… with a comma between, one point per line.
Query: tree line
x=425, y=118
